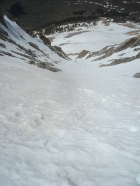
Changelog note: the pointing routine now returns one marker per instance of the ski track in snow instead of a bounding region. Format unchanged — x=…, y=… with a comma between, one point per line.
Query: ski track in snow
x=78, y=127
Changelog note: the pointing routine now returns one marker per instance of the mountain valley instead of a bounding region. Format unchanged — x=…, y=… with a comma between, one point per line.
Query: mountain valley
x=69, y=100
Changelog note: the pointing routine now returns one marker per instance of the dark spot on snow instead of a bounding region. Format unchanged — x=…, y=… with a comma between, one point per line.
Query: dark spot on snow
x=137, y=75
x=44, y=65
x=2, y=45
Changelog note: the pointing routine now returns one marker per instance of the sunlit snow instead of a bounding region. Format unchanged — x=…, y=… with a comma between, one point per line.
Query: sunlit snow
x=77, y=127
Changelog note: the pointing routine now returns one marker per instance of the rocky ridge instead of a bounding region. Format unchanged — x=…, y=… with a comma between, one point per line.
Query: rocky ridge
x=110, y=50
x=28, y=50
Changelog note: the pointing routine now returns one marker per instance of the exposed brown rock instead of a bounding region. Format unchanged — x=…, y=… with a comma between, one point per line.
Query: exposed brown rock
x=75, y=33
x=124, y=60
x=45, y=40
x=126, y=44
x=44, y=65
x=51, y=38
x=3, y=35
x=59, y=51
x=129, y=25
x=82, y=54
x=105, y=53
x=33, y=45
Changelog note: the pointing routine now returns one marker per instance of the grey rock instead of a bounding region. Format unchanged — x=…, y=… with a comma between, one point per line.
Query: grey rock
x=137, y=75
x=2, y=45
x=33, y=45
x=136, y=49
x=44, y=65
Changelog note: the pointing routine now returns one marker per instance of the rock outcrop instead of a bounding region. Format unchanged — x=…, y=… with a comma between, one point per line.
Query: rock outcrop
x=109, y=50
x=45, y=40
x=2, y=18
x=137, y=75
x=123, y=60
x=82, y=54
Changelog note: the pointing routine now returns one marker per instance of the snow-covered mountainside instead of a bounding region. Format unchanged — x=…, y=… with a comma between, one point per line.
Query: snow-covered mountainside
x=79, y=126
x=17, y=43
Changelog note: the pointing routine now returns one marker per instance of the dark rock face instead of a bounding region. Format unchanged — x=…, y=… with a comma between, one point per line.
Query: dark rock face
x=6, y=53
x=137, y=75
x=136, y=49
x=45, y=40
x=59, y=51
x=2, y=18
x=2, y=45
x=44, y=65
x=34, y=45
x=127, y=44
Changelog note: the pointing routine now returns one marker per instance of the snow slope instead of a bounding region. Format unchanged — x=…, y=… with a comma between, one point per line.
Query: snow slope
x=21, y=45
x=77, y=127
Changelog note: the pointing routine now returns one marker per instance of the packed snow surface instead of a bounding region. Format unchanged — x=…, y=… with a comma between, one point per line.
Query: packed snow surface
x=77, y=127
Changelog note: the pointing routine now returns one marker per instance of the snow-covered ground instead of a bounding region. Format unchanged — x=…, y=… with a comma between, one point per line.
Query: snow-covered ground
x=76, y=127
x=21, y=38
x=92, y=38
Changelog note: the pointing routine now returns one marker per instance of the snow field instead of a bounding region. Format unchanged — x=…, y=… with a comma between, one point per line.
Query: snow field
x=77, y=127
x=93, y=38
x=79, y=130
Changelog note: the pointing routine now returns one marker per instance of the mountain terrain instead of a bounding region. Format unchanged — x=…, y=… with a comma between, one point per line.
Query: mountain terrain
x=16, y=42
x=30, y=12
x=70, y=108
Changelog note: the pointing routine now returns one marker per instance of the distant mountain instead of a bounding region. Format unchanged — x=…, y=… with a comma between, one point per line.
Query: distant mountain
x=37, y=14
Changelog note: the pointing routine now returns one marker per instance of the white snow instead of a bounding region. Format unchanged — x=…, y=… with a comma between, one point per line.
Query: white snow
x=93, y=38
x=77, y=127
x=22, y=38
